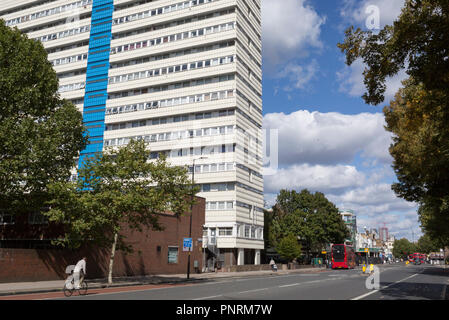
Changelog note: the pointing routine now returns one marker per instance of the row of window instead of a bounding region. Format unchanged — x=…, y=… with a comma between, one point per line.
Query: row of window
x=173, y=37
x=174, y=86
x=45, y=13
x=172, y=54
x=148, y=43
x=71, y=59
x=83, y=29
x=71, y=74
x=216, y=187
x=34, y=217
x=26, y=6
x=158, y=11
x=82, y=57
x=156, y=72
x=219, y=205
x=219, y=95
x=63, y=34
x=52, y=25
x=72, y=87
x=173, y=119
x=185, y=134
x=172, y=69
x=213, y=167
x=250, y=232
x=171, y=24
x=243, y=231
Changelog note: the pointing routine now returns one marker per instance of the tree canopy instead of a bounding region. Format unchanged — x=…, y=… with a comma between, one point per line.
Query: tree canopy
x=311, y=217
x=418, y=41
x=402, y=248
x=41, y=134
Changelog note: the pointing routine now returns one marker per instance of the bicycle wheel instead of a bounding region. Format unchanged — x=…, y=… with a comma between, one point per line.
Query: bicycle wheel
x=83, y=290
x=67, y=292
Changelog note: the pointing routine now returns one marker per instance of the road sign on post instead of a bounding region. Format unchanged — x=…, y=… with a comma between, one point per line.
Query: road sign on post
x=187, y=244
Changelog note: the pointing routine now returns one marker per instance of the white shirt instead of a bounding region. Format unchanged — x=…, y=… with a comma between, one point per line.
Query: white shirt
x=80, y=265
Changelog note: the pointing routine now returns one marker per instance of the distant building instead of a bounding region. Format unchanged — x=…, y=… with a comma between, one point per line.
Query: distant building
x=383, y=234
x=350, y=221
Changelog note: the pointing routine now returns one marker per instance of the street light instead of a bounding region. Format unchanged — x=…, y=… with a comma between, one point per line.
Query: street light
x=191, y=214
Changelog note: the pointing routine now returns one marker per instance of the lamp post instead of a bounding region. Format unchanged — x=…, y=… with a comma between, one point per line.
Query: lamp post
x=191, y=214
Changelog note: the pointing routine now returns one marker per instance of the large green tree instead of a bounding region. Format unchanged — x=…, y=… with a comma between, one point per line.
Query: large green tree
x=402, y=248
x=427, y=245
x=41, y=134
x=115, y=190
x=418, y=41
x=311, y=217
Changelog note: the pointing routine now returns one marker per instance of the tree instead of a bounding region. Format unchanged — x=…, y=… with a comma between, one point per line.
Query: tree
x=115, y=190
x=418, y=119
x=41, y=135
x=418, y=41
x=402, y=248
x=312, y=217
x=289, y=248
x=427, y=245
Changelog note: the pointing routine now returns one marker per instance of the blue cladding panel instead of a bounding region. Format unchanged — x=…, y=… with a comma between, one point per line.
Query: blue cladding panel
x=97, y=76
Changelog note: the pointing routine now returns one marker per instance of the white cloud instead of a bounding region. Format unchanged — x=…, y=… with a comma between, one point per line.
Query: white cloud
x=299, y=75
x=314, y=178
x=355, y=11
x=320, y=152
x=329, y=138
x=289, y=29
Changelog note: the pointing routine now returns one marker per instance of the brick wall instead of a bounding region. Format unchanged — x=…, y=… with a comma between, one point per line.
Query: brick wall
x=17, y=265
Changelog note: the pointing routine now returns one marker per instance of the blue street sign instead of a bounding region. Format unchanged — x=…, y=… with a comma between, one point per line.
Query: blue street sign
x=187, y=244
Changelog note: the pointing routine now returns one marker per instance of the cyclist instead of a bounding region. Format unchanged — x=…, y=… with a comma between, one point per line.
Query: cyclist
x=79, y=272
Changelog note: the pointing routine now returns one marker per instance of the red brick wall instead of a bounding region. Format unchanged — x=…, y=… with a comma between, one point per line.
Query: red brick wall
x=18, y=265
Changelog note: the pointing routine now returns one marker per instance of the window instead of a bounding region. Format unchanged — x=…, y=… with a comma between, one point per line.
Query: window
x=225, y=231
x=172, y=255
x=6, y=218
x=37, y=218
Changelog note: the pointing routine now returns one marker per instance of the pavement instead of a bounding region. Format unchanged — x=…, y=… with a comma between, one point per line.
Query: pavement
x=57, y=285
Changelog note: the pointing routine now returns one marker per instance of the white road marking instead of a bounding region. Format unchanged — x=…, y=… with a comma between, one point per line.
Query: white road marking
x=289, y=285
x=374, y=291
x=253, y=290
x=211, y=297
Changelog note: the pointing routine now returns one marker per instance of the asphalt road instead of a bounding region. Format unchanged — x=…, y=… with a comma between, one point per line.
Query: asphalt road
x=396, y=281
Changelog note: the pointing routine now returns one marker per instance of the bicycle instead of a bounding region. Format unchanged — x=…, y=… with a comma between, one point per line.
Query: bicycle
x=68, y=291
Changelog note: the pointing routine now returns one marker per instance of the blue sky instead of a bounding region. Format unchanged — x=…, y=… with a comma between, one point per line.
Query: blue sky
x=329, y=140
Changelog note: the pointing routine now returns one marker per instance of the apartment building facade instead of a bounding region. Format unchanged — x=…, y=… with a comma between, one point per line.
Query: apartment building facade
x=184, y=76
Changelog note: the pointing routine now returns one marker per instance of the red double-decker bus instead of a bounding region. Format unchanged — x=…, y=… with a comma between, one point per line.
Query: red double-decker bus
x=343, y=257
